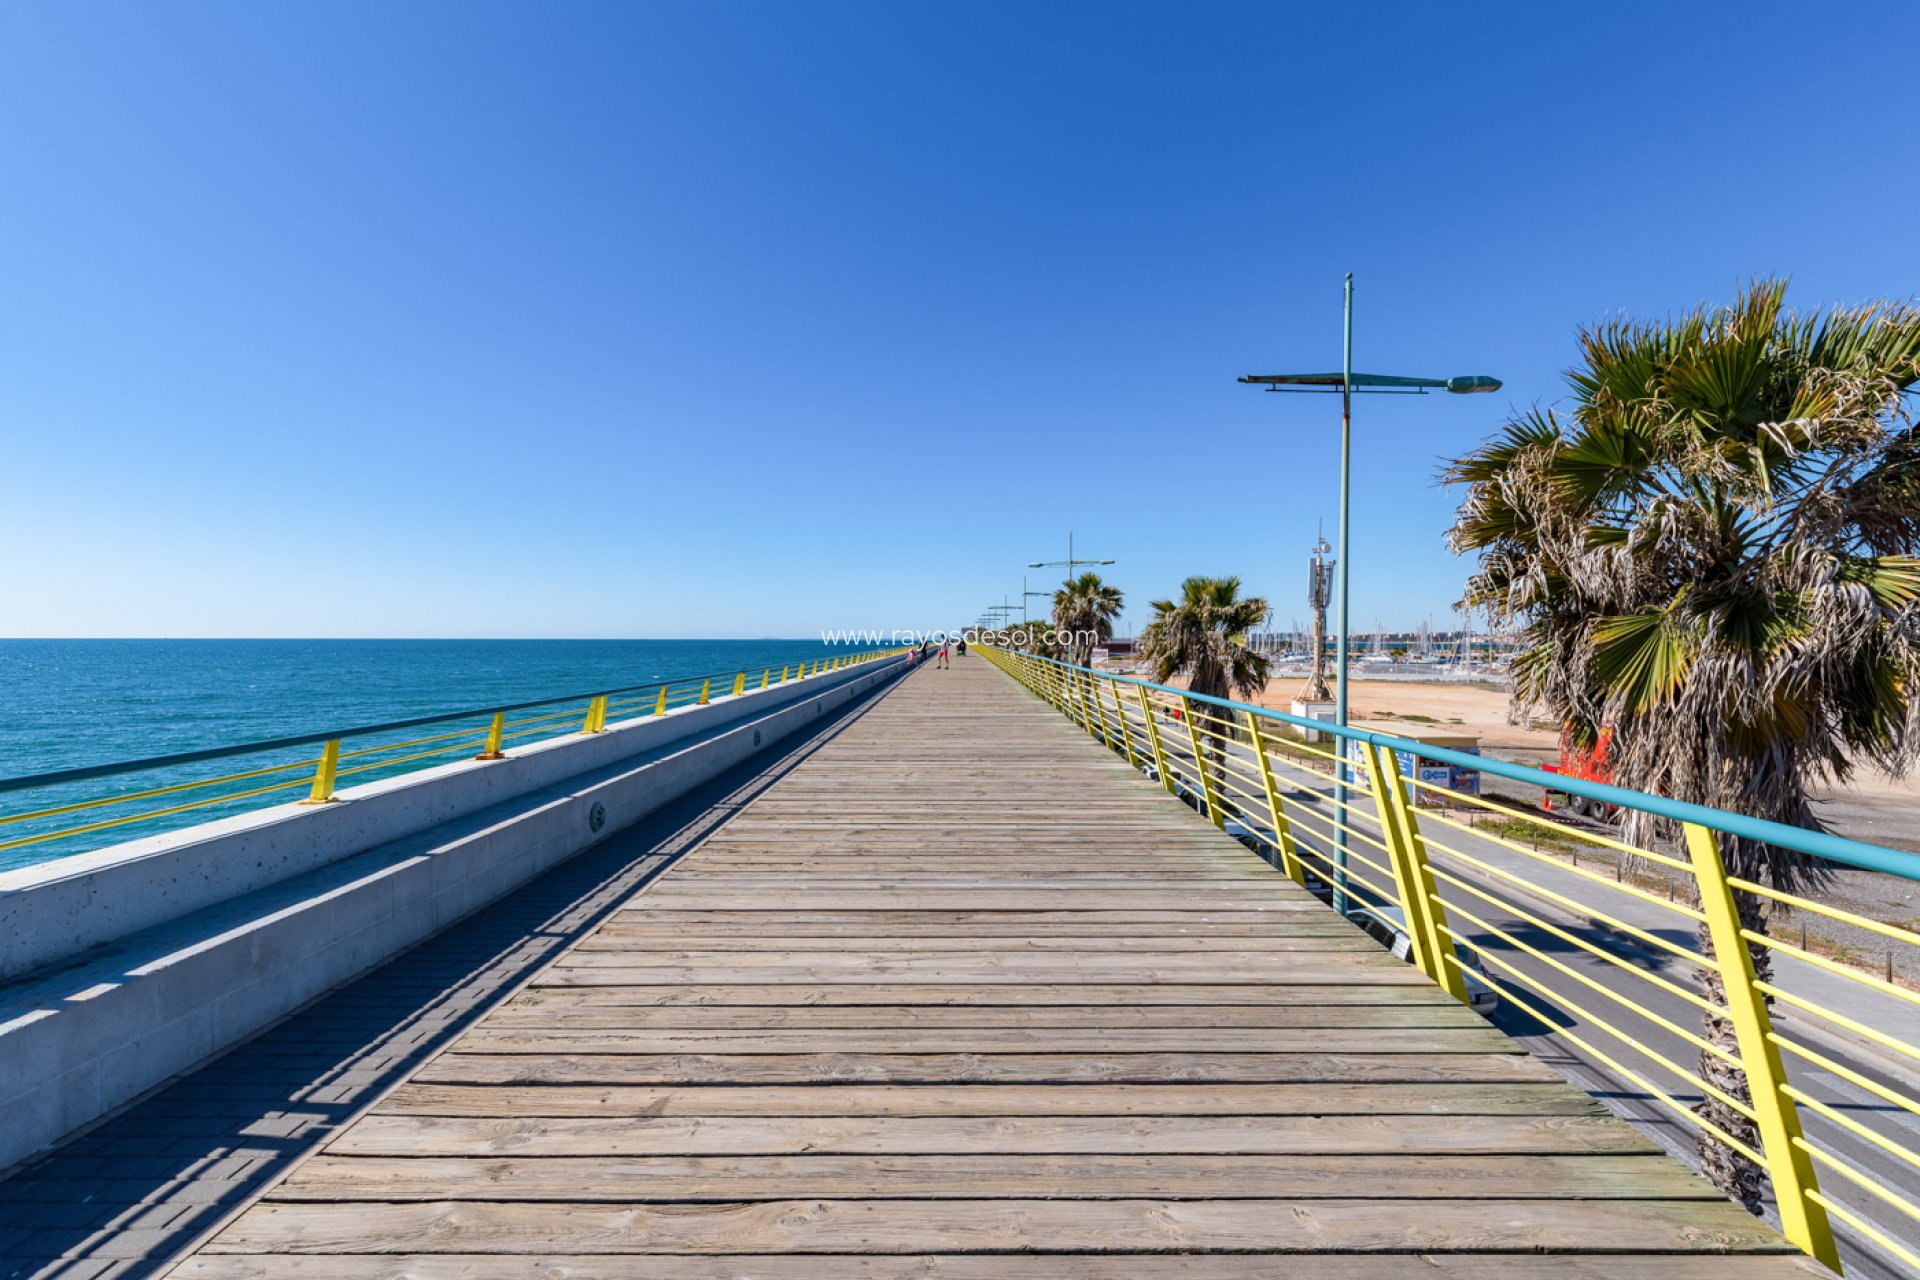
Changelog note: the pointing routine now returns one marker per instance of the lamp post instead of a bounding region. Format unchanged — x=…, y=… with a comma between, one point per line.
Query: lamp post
x=1026, y=619
x=1069, y=562
x=1346, y=382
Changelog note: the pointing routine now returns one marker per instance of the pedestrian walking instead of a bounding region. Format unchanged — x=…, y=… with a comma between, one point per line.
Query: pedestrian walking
x=943, y=655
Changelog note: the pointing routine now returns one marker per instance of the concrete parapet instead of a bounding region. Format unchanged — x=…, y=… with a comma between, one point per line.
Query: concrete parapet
x=178, y=947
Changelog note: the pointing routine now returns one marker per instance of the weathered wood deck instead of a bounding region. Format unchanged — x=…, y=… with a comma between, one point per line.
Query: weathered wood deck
x=964, y=984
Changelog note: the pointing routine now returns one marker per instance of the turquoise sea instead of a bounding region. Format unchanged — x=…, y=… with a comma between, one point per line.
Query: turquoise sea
x=75, y=703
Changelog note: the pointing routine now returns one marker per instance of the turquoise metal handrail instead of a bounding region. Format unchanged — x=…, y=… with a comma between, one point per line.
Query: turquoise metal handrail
x=1820, y=844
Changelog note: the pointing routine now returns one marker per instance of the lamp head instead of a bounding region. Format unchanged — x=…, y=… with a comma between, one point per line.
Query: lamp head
x=1472, y=384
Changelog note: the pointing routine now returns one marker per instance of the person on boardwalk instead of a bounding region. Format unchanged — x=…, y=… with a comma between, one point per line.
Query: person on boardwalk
x=960, y=648
x=942, y=664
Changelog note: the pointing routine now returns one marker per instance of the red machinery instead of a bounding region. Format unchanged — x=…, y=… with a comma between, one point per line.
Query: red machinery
x=1588, y=766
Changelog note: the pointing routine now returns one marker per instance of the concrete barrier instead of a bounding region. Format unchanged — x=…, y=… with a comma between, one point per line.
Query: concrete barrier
x=327, y=894
x=57, y=909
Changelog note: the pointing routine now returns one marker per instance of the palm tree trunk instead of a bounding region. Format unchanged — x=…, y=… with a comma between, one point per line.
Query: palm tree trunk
x=1726, y=1168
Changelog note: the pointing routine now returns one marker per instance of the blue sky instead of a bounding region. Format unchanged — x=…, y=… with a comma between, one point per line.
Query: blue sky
x=621, y=319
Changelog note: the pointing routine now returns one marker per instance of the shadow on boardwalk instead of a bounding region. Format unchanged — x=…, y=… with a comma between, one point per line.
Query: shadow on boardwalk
x=129, y=1195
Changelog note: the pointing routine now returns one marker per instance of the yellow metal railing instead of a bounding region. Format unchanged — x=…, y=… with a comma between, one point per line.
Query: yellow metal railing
x=1816, y=1079
x=488, y=734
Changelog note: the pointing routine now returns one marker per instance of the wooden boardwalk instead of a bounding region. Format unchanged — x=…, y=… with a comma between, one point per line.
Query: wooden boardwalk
x=963, y=984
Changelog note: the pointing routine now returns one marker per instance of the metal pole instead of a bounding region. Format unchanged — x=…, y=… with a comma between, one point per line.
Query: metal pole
x=1340, y=644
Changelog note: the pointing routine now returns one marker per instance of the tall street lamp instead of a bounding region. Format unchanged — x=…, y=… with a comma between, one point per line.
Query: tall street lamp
x=1346, y=383
x=1026, y=619
x=1069, y=562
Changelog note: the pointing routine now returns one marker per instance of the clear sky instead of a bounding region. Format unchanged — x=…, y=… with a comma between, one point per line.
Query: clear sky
x=703, y=319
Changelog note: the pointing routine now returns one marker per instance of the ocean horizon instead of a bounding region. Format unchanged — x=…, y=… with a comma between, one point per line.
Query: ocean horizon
x=79, y=703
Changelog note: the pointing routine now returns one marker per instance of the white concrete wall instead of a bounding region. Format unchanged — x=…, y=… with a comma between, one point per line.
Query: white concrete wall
x=57, y=909
x=89, y=1034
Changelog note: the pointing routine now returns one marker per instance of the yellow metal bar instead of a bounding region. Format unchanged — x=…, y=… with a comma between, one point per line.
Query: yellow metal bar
x=1100, y=709
x=765, y=676
x=1214, y=815
x=323, y=776
x=494, y=732
x=1803, y=1217
x=1153, y=740
x=1419, y=896
x=706, y=691
x=109, y=823
x=785, y=672
x=740, y=684
x=129, y=796
x=1282, y=829
x=660, y=703
x=1120, y=714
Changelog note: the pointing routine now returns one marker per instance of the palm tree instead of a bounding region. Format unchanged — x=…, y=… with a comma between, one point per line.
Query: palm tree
x=1712, y=554
x=1084, y=609
x=1203, y=634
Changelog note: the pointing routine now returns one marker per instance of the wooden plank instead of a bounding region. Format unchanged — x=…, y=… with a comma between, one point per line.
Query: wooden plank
x=729, y=1178
x=1026, y=1068
x=523, y=1013
x=915, y=1226
x=1034, y=994
x=591, y=1041
x=381, y=1134
x=640, y=913
x=1308, y=970
x=715, y=895
x=522, y=1101
x=609, y=940
x=998, y=1266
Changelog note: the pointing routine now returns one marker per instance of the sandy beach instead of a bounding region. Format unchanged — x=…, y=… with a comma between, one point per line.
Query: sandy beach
x=1870, y=806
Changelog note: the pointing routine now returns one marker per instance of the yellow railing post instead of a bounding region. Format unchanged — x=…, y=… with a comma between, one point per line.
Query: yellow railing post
x=660, y=703
x=1419, y=896
x=1120, y=714
x=1077, y=683
x=1803, y=1219
x=1282, y=829
x=785, y=672
x=596, y=715
x=495, y=732
x=765, y=676
x=740, y=684
x=1153, y=740
x=323, y=776
x=1100, y=710
x=1218, y=818
x=706, y=690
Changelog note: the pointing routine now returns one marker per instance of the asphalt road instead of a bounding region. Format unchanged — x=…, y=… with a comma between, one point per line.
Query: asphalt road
x=1572, y=987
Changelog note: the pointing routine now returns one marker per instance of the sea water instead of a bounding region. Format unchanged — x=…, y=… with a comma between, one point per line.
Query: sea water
x=75, y=703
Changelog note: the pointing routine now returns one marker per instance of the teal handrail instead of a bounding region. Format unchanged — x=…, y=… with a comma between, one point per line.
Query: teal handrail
x=1819, y=844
